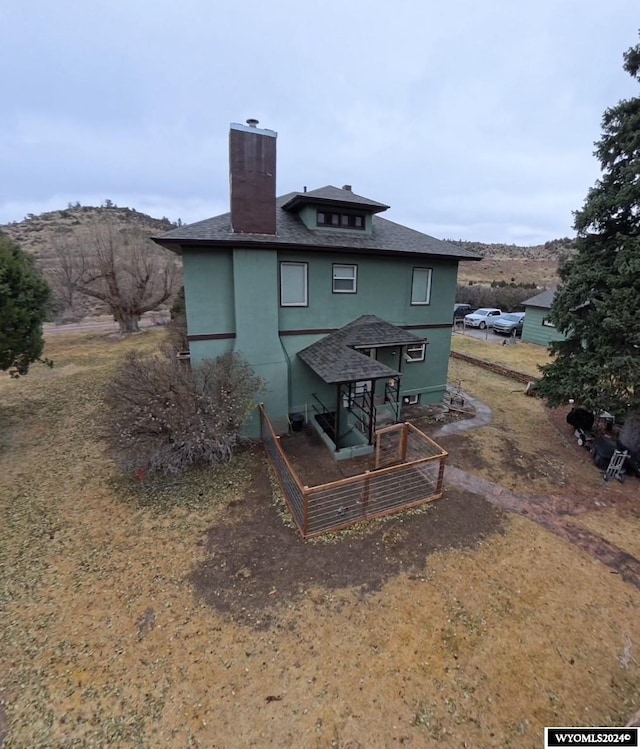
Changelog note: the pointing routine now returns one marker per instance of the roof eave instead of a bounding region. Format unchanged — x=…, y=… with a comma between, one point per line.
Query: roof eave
x=173, y=245
x=298, y=201
x=387, y=344
x=176, y=245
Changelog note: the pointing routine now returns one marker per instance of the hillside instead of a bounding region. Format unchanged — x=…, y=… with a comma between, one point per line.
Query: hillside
x=38, y=234
x=537, y=264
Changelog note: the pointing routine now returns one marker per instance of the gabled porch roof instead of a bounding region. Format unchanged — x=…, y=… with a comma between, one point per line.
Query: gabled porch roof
x=335, y=358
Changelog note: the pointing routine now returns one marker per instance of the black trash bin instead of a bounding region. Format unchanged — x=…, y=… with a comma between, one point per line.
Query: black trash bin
x=602, y=450
x=297, y=420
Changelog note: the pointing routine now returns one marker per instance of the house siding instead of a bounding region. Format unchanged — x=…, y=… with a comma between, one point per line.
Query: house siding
x=384, y=289
x=255, y=278
x=208, y=287
x=533, y=331
x=270, y=336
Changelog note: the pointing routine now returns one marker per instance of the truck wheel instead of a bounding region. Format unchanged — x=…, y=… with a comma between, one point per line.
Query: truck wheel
x=482, y=325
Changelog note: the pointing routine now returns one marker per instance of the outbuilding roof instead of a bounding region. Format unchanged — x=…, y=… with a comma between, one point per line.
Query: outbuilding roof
x=544, y=299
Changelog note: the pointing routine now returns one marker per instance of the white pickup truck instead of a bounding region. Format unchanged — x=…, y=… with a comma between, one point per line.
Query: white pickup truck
x=482, y=318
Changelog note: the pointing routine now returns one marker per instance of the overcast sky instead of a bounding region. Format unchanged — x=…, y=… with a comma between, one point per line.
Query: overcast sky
x=471, y=119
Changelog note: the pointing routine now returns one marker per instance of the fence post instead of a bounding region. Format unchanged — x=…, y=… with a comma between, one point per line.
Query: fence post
x=403, y=442
x=440, y=476
x=365, y=494
x=305, y=504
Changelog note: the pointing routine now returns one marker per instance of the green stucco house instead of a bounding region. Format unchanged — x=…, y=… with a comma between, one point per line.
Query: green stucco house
x=538, y=328
x=345, y=314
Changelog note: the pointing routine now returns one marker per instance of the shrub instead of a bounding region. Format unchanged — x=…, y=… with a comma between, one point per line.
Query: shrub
x=177, y=338
x=163, y=416
x=178, y=308
x=507, y=297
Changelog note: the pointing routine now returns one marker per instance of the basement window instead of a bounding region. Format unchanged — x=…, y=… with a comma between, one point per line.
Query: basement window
x=411, y=400
x=345, y=279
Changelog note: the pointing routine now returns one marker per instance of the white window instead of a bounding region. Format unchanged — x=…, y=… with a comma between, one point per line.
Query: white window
x=345, y=279
x=416, y=352
x=411, y=400
x=548, y=323
x=293, y=285
x=421, y=286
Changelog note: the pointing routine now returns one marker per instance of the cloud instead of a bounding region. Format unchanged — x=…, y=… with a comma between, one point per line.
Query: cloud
x=478, y=117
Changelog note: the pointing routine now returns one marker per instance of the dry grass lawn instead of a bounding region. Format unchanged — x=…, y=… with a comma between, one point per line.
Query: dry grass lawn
x=522, y=357
x=518, y=450
x=104, y=643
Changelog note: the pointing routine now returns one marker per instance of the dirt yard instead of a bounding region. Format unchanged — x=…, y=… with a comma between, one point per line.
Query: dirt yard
x=189, y=613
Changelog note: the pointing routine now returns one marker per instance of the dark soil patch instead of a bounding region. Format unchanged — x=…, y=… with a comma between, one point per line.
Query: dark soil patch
x=462, y=453
x=257, y=564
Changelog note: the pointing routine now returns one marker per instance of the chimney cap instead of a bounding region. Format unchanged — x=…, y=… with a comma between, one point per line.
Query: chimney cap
x=347, y=188
x=252, y=122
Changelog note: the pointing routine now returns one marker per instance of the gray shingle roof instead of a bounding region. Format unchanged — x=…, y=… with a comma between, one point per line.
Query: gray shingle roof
x=335, y=359
x=387, y=237
x=333, y=195
x=544, y=299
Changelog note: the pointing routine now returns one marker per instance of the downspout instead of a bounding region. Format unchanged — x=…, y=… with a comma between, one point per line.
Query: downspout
x=372, y=412
x=289, y=378
x=337, y=419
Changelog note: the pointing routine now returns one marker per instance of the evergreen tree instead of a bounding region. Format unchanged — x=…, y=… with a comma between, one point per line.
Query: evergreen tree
x=23, y=302
x=598, y=304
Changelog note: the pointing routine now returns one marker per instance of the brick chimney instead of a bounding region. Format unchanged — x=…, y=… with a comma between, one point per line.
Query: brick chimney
x=252, y=177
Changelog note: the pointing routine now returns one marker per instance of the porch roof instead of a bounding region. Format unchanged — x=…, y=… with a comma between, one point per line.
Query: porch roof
x=335, y=357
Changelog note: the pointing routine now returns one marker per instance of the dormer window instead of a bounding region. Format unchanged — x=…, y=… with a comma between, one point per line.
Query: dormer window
x=336, y=220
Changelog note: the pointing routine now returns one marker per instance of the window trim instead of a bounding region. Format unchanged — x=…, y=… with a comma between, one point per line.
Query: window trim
x=334, y=277
x=422, y=346
x=411, y=400
x=429, y=285
x=306, y=283
x=546, y=322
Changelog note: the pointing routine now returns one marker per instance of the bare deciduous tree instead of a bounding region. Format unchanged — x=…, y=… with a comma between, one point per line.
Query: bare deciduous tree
x=120, y=267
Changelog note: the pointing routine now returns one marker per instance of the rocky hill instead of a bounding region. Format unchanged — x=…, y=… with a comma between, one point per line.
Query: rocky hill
x=38, y=234
x=508, y=262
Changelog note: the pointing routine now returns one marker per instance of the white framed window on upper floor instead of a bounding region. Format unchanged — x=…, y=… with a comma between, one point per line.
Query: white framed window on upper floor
x=345, y=279
x=294, y=284
x=416, y=352
x=421, y=286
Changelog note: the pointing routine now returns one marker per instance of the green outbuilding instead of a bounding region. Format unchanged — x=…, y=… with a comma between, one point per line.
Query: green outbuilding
x=538, y=327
